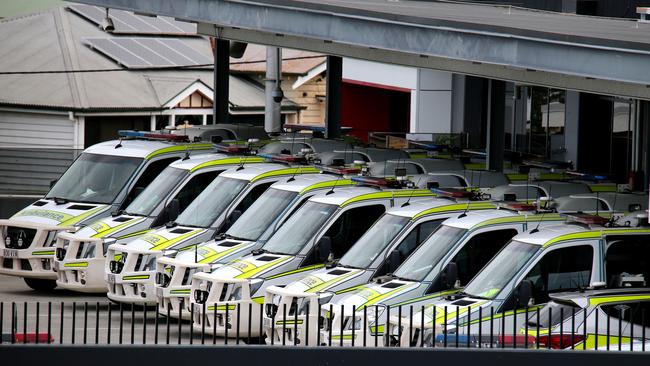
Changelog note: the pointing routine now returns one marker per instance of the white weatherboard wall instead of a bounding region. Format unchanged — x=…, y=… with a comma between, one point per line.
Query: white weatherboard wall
x=430, y=90
x=36, y=148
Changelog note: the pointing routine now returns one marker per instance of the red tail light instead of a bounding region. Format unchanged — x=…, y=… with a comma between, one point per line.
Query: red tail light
x=558, y=341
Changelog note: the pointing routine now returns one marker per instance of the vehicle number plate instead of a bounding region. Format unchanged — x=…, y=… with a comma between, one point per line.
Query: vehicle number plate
x=159, y=291
x=10, y=253
x=110, y=278
x=267, y=322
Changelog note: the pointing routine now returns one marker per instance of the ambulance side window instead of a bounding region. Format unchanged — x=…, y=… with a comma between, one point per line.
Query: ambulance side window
x=413, y=240
x=416, y=237
x=628, y=312
x=478, y=251
x=562, y=269
x=148, y=175
x=252, y=196
x=346, y=230
x=627, y=255
x=193, y=188
x=302, y=202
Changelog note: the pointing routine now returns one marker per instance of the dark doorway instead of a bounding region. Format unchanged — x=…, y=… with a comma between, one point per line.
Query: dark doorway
x=104, y=128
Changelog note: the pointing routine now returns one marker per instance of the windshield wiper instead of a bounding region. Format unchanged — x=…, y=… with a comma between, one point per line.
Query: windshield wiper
x=401, y=278
x=347, y=265
x=228, y=236
x=59, y=200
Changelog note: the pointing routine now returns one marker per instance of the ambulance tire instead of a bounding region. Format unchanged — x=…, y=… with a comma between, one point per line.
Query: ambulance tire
x=40, y=284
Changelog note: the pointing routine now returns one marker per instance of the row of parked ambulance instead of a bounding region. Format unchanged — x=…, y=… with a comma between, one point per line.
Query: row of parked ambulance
x=311, y=242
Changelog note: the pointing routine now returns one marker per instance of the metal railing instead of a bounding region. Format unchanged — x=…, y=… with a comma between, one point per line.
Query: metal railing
x=400, y=326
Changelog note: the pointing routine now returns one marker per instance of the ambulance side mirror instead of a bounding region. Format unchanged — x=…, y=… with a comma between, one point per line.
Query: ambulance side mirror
x=524, y=293
x=324, y=248
x=450, y=275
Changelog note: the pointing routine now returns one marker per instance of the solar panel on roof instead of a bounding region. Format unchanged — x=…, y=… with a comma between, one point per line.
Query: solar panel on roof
x=149, y=52
x=127, y=22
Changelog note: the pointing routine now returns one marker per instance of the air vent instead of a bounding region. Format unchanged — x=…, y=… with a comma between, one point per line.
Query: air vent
x=122, y=219
x=180, y=231
x=39, y=203
x=229, y=244
x=266, y=258
x=337, y=272
x=463, y=302
x=81, y=207
x=392, y=285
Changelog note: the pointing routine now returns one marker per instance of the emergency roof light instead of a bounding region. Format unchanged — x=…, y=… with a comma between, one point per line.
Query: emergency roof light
x=337, y=169
x=233, y=149
x=377, y=182
x=298, y=128
x=517, y=206
x=152, y=136
x=285, y=158
x=586, y=176
x=586, y=219
x=453, y=193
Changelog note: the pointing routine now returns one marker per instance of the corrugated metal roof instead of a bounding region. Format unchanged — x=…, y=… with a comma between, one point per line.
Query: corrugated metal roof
x=293, y=61
x=53, y=40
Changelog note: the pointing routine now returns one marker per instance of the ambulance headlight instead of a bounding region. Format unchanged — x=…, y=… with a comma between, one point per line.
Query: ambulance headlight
x=76, y=228
x=106, y=243
x=325, y=297
x=255, y=284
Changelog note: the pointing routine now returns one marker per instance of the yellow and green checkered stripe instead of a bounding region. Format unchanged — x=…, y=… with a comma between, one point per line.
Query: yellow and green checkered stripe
x=179, y=148
x=288, y=171
x=389, y=195
x=228, y=161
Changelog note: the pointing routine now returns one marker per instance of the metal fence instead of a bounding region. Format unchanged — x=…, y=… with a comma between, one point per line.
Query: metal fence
x=106, y=323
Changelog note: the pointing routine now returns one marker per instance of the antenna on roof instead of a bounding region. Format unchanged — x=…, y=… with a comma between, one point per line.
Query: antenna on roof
x=536, y=229
x=340, y=175
x=417, y=185
x=119, y=144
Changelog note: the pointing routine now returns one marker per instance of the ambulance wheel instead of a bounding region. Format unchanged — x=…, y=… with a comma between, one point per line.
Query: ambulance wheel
x=40, y=285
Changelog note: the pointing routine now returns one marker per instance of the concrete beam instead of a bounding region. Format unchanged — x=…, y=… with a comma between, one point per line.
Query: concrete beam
x=549, y=62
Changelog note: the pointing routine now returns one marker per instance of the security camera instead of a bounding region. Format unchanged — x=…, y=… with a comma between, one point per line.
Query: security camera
x=277, y=95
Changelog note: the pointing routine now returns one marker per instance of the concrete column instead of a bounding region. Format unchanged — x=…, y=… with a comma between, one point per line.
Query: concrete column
x=496, y=124
x=433, y=102
x=457, y=103
x=571, y=126
x=273, y=108
x=644, y=116
x=221, y=81
x=333, y=110
x=152, y=123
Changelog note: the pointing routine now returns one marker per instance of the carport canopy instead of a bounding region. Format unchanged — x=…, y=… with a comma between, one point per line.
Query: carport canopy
x=599, y=55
